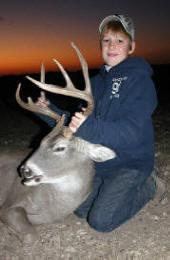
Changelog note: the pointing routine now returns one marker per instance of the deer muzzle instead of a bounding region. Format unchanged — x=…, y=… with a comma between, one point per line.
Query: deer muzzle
x=28, y=176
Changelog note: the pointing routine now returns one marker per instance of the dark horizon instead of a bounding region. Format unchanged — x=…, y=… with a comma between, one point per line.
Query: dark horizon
x=161, y=65
x=9, y=83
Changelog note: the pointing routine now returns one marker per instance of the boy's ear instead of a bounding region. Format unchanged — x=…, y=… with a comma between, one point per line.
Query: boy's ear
x=133, y=46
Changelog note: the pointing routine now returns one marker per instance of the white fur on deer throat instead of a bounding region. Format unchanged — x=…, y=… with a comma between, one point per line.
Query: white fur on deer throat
x=68, y=183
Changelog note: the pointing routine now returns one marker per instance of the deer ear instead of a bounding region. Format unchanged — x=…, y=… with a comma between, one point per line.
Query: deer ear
x=100, y=153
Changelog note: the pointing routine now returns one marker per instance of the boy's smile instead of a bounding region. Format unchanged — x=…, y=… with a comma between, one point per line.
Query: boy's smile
x=115, y=47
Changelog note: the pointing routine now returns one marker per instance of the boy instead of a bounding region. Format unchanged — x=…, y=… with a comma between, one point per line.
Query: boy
x=125, y=99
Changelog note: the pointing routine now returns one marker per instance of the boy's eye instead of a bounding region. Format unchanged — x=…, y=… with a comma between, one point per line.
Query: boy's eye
x=105, y=40
x=120, y=41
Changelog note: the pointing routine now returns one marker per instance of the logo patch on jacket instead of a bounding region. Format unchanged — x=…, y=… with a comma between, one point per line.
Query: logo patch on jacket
x=116, y=87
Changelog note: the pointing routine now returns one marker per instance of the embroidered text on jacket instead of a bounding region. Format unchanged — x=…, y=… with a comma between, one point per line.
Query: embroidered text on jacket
x=116, y=86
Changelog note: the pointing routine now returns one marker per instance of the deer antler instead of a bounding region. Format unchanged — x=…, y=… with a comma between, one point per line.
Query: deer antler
x=69, y=90
x=31, y=106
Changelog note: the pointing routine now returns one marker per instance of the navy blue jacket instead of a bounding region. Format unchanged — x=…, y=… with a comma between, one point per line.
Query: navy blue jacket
x=125, y=99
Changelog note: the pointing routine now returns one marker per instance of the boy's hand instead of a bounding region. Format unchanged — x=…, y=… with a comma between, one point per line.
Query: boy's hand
x=77, y=120
x=42, y=101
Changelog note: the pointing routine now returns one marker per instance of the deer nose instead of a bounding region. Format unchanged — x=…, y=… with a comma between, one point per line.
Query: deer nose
x=25, y=172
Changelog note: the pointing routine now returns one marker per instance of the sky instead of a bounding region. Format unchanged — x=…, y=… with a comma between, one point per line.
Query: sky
x=33, y=31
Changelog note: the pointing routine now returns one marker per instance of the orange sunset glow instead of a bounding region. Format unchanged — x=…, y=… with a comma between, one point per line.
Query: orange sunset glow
x=32, y=33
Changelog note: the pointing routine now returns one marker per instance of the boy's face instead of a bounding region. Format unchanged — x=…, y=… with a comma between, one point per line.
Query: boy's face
x=116, y=47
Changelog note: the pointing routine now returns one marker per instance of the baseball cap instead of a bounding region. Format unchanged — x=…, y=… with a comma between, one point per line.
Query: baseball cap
x=126, y=22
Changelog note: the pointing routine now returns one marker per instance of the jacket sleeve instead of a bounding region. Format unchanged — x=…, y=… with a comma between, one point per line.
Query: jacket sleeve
x=138, y=101
x=50, y=121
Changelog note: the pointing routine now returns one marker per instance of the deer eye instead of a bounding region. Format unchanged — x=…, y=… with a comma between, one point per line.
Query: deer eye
x=59, y=149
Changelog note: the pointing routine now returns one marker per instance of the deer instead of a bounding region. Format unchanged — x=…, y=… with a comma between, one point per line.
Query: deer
x=58, y=176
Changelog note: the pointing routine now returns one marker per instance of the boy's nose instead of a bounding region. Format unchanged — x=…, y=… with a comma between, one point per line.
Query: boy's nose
x=112, y=45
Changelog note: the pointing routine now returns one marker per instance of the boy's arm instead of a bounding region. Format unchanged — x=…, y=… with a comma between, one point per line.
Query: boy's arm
x=50, y=121
x=42, y=101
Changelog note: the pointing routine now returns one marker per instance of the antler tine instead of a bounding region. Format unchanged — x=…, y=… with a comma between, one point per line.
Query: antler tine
x=84, y=67
x=42, y=78
x=31, y=106
x=87, y=90
x=69, y=83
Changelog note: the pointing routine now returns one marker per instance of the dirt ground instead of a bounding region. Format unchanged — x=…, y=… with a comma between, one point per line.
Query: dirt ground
x=146, y=236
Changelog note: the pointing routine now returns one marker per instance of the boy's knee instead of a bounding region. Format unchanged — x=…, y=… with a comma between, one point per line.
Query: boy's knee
x=100, y=224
